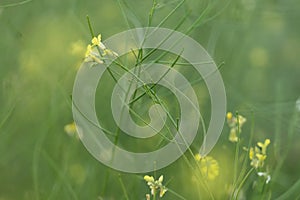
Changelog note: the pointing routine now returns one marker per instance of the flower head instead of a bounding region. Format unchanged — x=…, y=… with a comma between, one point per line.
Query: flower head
x=70, y=129
x=97, y=52
x=156, y=185
x=264, y=145
x=235, y=124
x=208, y=166
x=96, y=40
x=258, y=154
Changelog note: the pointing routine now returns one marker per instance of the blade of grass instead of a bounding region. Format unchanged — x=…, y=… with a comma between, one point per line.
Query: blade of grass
x=123, y=187
x=154, y=85
x=60, y=174
x=6, y=117
x=291, y=193
x=15, y=4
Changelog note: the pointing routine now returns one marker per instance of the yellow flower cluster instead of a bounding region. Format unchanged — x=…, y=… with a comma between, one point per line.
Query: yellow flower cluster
x=96, y=51
x=258, y=154
x=155, y=185
x=209, y=167
x=235, y=124
x=70, y=129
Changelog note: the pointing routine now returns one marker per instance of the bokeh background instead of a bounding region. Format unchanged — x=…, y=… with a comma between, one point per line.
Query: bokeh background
x=42, y=44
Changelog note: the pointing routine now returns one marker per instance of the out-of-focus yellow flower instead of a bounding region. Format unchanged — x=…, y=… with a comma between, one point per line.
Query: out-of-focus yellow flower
x=235, y=124
x=77, y=173
x=155, y=185
x=208, y=166
x=197, y=157
x=77, y=48
x=88, y=51
x=229, y=115
x=258, y=154
x=147, y=196
x=233, y=135
x=70, y=129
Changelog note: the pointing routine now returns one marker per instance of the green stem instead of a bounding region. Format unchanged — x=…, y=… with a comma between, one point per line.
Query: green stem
x=236, y=156
x=123, y=187
x=242, y=182
x=15, y=4
x=90, y=26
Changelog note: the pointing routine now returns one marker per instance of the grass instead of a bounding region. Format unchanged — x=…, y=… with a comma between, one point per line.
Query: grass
x=43, y=44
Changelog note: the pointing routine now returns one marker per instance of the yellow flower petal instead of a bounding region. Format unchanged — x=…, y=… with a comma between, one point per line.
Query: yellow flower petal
x=197, y=157
x=229, y=116
x=149, y=178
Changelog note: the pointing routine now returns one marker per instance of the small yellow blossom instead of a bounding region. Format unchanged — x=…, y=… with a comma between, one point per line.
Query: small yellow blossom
x=70, y=129
x=96, y=40
x=259, y=154
x=229, y=116
x=155, y=185
x=208, y=166
x=149, y=178
x=264, y=145
x=147, y=196
x=77, y=48
x=197, y=157
x=235, y=124
x=88, y=50
x=97, y=52
x=251, y=153
x=233, y=135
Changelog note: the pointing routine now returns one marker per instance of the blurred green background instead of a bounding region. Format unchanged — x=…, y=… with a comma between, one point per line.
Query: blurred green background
x=42, y=45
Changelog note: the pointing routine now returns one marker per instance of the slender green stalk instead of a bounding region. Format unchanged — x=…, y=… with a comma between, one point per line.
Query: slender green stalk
x=15, y=4
x=123, y=187
x=236, y=157
x=242, y=182
x=6, y=117
x=246, y=158
x=90, y=26
x=154, y=85
x=176, y=194
x=60, y=174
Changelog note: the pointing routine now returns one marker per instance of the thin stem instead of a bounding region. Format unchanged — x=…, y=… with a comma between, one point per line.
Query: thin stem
x=243, y=181
x=123, y=187
x=15, y=4
x=236, y=156
x=90, y=26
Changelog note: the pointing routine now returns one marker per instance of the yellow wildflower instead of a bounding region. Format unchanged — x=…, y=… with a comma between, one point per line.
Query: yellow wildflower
x=147, y=196
x=88, y=51
x=96, y=40
x=97, y=52
x=251, y=153
x=149, y=178
x=259, y=154
x=70, y=129
x=208, y=166
x=233, y=135
x=264, y=145
x=197, y=157
x=235, y=124
x=229, y=115
x=155, y=185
